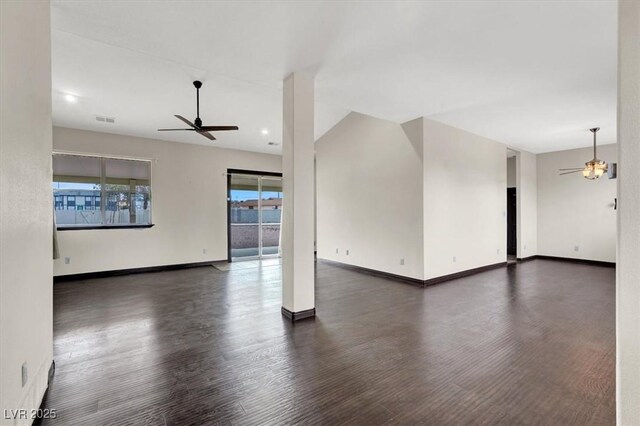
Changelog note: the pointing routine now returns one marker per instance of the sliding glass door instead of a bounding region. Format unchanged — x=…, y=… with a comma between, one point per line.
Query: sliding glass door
x=270, y=215
x=244, y=220
x=255, y=213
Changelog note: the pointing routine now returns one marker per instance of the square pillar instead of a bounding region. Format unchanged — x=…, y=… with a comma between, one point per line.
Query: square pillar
x=628, y=253
x=298, y=266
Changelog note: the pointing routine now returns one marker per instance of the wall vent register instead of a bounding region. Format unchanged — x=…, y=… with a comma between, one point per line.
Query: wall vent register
x=102, y=119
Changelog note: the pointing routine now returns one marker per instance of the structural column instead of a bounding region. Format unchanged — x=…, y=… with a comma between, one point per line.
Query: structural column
x=628, y=253
x=298, y=274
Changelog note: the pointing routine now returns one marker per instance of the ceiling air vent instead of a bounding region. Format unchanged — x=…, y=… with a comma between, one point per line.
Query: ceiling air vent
x=104, y=119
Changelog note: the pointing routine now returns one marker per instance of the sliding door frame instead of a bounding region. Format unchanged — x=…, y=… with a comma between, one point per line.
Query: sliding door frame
x=249, y=173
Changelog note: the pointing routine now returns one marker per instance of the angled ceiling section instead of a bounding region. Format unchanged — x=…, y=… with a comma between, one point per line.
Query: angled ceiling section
x=534, y=75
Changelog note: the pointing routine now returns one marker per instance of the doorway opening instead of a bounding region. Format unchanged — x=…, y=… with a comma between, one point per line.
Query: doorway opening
x=512, y=212
x=254, y=214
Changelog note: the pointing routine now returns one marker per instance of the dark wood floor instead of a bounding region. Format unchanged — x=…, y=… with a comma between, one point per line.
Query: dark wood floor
x=527, y=344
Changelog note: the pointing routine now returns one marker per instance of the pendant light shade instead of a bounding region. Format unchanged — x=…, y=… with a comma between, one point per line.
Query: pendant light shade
x=594, y=169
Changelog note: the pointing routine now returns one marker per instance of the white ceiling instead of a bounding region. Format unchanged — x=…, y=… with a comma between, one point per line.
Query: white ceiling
x=534, y=75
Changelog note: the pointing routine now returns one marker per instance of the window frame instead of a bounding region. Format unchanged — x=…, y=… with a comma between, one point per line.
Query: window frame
x=103, y=206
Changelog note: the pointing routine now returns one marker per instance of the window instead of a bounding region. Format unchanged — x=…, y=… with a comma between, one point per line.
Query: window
x=81, y=182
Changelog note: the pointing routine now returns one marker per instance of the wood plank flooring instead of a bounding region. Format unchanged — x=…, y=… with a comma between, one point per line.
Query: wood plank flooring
x=527, y=344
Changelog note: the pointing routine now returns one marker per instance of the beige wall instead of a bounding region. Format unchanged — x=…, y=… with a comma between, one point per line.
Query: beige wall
x=465, y=180
x=25, y=204
x=574, y=211
x=369, y=195
x=189, y=207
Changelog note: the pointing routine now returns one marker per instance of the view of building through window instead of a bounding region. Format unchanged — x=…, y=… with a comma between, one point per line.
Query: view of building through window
x=93, y=191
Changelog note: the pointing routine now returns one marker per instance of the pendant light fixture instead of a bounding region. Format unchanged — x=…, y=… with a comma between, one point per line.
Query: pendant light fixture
x=595, y=168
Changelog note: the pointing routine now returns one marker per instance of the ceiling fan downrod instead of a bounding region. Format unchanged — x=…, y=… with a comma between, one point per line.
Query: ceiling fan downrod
x=594, y=131
x=198, y=121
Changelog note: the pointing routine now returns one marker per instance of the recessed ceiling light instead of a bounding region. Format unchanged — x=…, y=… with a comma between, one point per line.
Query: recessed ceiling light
x=265, y=131
x=71, y=98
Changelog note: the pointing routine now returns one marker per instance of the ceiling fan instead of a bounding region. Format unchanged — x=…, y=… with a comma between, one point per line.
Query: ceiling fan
x=197, y=126
x=592, y=169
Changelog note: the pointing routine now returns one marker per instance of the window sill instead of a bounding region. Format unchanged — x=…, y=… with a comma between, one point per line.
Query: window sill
x=86, y=228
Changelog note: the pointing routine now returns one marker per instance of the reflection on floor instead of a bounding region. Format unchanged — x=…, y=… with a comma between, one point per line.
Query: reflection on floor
x=246, y=264
x=530, y=344
x=511, y=258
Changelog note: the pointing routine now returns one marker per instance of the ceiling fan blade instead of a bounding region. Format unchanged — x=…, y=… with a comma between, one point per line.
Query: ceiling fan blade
x=171, y=130
x=206, y=135
x=566, y=173
x=179, y=117
x=218, y=128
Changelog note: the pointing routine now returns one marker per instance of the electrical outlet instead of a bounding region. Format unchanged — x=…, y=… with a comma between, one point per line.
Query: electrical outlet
x=576, y=248
x=402, y=261
x=454, y=259
x=67, y=260
x=498, y=251
x=336, y=251
x=204, y=251
x=25, y=373
x=347, y=252
x=524, y=247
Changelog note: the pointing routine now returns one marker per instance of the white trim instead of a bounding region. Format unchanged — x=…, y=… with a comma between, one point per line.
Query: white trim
x=111, y=157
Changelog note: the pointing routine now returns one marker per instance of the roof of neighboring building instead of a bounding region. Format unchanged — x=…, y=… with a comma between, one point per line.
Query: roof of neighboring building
x=271, y=202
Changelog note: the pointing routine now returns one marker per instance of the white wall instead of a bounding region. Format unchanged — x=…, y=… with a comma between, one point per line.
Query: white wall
x=464, y=200
x=369, y=196
x=26, y=204
x=189, y=207
x=527, y=204
x=628, y=266
x=389, y=191
x=574, y=211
